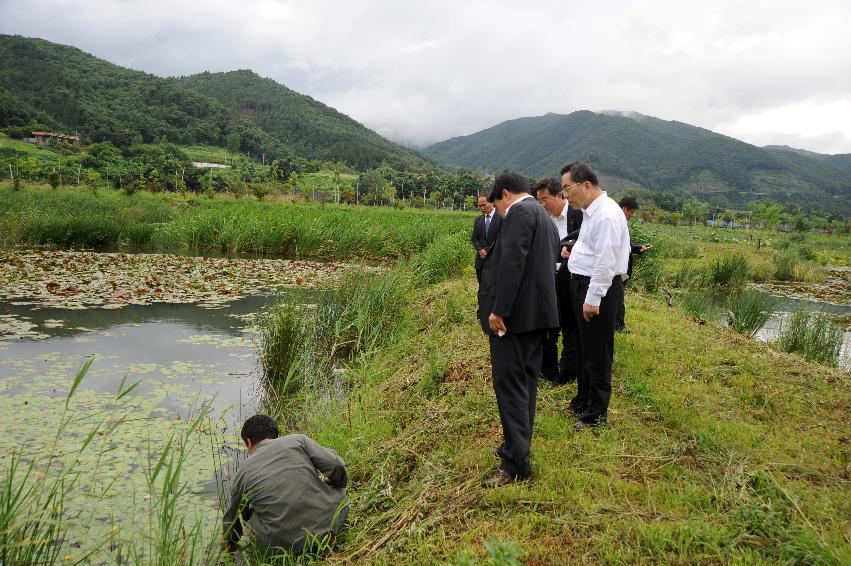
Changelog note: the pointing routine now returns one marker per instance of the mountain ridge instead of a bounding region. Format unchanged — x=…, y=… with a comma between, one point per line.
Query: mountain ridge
x=639, y=151
x=63, y=87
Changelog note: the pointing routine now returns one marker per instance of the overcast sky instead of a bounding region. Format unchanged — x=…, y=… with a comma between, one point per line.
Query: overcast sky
x=765, y=71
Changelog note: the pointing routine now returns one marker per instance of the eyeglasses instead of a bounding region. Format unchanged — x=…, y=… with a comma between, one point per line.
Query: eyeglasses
x=566, y=190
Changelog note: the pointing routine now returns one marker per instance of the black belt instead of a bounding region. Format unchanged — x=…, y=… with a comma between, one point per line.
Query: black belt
x=578, y=276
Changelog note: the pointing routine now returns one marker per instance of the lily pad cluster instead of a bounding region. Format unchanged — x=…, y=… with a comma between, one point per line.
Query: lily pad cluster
x=78, y=280
x=836, y=288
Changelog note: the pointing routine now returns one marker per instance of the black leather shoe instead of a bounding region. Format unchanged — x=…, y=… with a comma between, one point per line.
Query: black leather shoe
x=499, y=478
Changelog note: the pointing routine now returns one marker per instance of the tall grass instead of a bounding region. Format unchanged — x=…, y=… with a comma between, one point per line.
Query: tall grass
x=796, y=263
x=812, y=335
x=77, y=218
x=299, y=347
x=701, y=304
x=749, y=311
x=729, y=271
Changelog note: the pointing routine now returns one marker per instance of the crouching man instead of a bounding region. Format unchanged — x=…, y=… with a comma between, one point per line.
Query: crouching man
x=279, y=492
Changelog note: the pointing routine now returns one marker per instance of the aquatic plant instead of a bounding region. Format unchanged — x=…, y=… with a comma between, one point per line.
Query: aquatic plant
x=749, y=311
x=795, y=264
x=701, y=304
x=815, y=336
x=729, y=271
x=35, y=491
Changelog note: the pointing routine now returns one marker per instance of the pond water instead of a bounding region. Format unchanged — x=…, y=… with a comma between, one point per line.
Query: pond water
x=786, y=306
x=185, y=356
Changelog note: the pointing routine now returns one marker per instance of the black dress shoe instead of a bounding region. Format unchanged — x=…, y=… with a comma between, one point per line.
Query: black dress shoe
x=499, y=478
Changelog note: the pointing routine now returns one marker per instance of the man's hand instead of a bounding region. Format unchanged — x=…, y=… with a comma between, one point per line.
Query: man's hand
x=642, y=249
x=565, y=253
x=328, y=481
x=483, y=253
x=496, y=323
x=589, y=312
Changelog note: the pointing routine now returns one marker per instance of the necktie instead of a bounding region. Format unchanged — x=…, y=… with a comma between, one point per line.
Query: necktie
x=487, y=224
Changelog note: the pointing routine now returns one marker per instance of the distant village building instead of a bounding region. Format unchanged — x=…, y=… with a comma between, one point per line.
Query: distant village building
x=45, y=138
x=210, y=165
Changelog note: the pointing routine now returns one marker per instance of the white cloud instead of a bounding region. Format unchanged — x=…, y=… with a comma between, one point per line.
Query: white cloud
x=421, y=72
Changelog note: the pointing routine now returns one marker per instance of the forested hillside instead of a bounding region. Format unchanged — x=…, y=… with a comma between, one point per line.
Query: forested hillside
x=46, y=85
x=302, y=123
x=641, y=151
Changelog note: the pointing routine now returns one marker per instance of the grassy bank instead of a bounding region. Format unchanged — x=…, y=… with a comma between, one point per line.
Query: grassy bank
x=719, y=450
x=108, y=219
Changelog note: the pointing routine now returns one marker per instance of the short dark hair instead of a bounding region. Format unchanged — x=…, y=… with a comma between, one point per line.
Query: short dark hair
x=257, y=428
x=580, y=172
x=510, y=181
x=550, y=185
x=629, y=203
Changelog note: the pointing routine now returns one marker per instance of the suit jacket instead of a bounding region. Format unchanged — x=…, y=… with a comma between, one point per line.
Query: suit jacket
x=479, y=240
x=522, y=259
x=574, y=224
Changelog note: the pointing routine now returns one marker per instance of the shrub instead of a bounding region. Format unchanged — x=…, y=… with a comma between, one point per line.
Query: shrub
x=812, y=335
x=54, y=179
x=749, y=311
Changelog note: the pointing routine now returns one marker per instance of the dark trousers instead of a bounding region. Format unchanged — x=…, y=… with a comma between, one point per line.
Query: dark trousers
x=597, y=345
x=566, y=368
x=621, y=321
x=515, y=363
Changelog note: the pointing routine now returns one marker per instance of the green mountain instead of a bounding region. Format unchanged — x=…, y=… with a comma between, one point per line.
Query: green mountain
x=841, y=161
x=67, y=90
x=633, y=150
x=302, y=123
x=72, y=91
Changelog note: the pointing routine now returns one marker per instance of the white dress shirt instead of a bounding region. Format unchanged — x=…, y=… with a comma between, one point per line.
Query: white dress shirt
x=602, y=250
x=561, y=225
x=561, y=222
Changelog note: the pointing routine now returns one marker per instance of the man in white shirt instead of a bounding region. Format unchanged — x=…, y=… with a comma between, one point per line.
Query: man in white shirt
x=597, y=263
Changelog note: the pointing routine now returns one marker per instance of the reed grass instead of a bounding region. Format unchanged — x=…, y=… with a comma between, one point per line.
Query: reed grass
x=814, y=336
x=701, y=304
x=795, y=264
x=299, y=347
x=70, y=217
x=728, y=271
x=749, y=311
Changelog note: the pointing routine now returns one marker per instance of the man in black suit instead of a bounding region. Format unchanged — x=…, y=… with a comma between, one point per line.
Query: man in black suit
x=567, y=220
x=485, y=229
x=516, y=322
x=629, y=205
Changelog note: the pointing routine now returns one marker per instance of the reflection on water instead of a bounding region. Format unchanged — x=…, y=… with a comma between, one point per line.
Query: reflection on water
x=201, y=353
